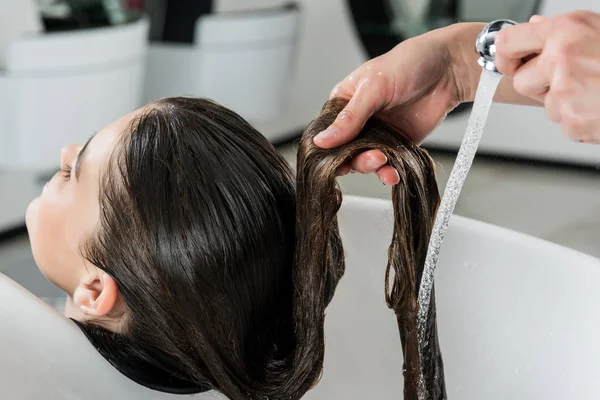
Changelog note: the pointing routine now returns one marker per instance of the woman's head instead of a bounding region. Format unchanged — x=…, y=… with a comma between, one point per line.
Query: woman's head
x=175, y=229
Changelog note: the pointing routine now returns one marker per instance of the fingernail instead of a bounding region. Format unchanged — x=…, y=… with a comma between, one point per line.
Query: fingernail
x=373, y=164
x=328, y=134
x=396, y=180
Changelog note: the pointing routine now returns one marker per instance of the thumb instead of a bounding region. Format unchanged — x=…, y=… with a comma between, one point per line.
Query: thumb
x=349, y=122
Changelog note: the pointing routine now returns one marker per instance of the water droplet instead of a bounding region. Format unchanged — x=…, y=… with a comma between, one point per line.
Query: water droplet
x=527, y=368
x=516, y=370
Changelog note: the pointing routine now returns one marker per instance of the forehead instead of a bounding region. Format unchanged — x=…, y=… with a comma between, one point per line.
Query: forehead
x=101, y=146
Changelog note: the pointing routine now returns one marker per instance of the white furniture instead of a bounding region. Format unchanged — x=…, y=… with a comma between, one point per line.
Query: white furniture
x=519, y=318
x=243, y=60
x=17, y=19
x=57, y=90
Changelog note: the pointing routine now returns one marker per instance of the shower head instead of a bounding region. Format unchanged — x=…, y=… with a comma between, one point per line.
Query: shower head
x=485, y=43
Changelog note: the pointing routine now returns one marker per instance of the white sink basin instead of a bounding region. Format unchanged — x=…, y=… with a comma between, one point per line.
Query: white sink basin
x=518, y=319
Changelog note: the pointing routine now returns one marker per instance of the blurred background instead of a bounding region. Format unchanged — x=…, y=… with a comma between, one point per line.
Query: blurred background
x=69, y=67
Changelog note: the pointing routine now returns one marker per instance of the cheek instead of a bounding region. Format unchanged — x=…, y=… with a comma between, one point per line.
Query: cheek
x=48, y=224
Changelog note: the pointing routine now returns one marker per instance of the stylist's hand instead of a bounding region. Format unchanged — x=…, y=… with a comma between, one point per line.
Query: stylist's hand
x=413, y=86
x=565, y=75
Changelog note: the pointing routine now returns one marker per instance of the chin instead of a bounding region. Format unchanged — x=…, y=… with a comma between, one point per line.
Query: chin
x=32, y=224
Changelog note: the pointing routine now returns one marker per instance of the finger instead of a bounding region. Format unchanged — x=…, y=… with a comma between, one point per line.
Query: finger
x=347, y=86
x=344, y=169
x=388, y=175
x=369, y=161
x=343, y=90
x=537, y=18
x=520, y=40
x=552, y=106
x=579, y=130
x=513, y=43
x=532, y=80
x=352, y=118
x=577, y=120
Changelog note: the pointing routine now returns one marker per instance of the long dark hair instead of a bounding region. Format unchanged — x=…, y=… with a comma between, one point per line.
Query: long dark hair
x=225, y=277
x=319, y=252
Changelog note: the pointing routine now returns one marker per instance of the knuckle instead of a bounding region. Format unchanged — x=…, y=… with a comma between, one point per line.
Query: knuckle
x=565, y=22
x=337, y=90
x=562, y=89
x=561, y=52
x=579, y=17
x=370, y=66
x=347, y=116
x=520, y=83
x=567, y=49
x=576, y=110
x=575, y=128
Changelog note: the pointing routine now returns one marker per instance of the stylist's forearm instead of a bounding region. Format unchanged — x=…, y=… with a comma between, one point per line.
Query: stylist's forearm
x=468, y=71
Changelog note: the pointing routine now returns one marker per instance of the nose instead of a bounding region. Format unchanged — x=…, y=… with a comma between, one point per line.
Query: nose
x=68, y=154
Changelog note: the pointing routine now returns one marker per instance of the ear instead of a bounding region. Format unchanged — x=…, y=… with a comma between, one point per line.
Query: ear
x=98, y=296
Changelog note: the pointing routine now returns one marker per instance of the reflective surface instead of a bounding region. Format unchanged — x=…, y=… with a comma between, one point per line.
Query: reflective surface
x=485, y=43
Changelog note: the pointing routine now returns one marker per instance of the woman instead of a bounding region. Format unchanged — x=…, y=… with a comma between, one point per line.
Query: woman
x=177, y=267
x=425, y=77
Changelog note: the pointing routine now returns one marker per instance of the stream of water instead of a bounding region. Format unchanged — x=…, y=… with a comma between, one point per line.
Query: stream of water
x=488, y=83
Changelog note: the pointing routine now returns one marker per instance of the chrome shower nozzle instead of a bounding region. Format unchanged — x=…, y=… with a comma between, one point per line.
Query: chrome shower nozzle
x=485, y=43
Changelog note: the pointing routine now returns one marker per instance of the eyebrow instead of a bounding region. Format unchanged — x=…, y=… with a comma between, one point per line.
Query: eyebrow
x=81, y=156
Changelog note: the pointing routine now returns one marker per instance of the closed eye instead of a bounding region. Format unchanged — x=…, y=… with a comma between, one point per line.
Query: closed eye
x=66, y=172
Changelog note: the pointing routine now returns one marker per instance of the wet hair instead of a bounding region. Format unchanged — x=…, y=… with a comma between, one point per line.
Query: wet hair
x=415, y=201
x=225, y=269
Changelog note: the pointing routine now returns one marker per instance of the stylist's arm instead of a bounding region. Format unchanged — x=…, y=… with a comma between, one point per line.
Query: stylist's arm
x=422, y=79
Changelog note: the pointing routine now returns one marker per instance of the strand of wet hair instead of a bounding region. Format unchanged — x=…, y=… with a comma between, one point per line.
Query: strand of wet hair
x=320, y=264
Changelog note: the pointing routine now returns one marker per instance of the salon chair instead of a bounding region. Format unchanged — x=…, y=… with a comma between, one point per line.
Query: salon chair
x=243, y=60
x=519, y=318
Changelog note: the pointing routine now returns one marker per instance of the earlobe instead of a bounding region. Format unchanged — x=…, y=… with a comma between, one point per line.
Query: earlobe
x=97, y=298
